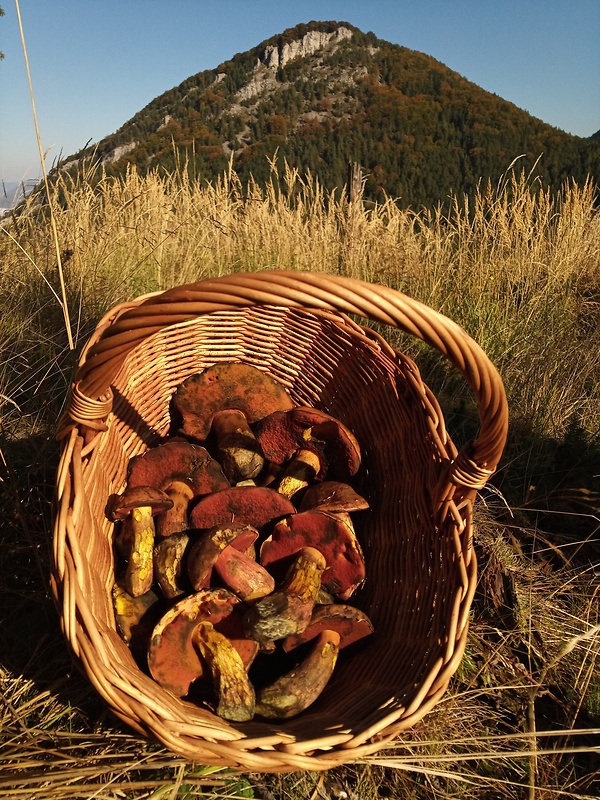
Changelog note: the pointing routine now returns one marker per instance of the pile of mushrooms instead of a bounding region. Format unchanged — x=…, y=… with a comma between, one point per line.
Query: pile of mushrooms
x=235, y=549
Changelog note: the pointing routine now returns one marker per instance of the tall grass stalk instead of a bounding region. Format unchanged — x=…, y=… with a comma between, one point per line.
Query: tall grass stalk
x=63, y=301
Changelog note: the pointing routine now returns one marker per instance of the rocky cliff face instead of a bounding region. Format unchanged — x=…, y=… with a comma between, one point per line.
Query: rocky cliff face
x=276, y=56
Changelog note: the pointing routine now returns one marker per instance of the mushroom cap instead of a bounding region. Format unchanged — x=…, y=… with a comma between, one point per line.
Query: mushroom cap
x=143, y=496
x=349, y=622
x=332, y=496
x=207, y=548
x=249, y=505
x=172, y=658
x=227, y=385
x=284, y=433
x=325, y=532
x=177, y=460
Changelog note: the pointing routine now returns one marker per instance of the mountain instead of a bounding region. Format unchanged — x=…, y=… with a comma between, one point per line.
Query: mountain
x=12, y=193
x=324, y=94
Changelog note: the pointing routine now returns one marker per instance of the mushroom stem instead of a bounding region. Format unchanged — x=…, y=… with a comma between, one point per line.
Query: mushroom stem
x=209, y=546
x=296, y=690
x=168, y=559
x=175, y=519
x=300, y=472
x=233, y=688
x=241, y=573
x=139, y=571
x=288, y=610
x=237, y=449
x=135, y=508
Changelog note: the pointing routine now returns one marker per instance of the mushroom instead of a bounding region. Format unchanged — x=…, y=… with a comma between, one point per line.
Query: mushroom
x=324, y=597
x=136, y=617
x=228, y=397
x=236, y=449
x=243, y=575
x=184, y=471
x=228, y=385
x=307, y=466
x=333, y=536
x=332, y=497
x=349, y=622
x=300, y=687
x=250, y=505
x=289, y=609
x=208, y=547
x=136, y=508
x=168, y=560
x=172, y=657
x=234, y=691
x=314, y=445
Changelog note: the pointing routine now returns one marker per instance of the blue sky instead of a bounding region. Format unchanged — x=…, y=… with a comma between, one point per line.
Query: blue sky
x=95, y=63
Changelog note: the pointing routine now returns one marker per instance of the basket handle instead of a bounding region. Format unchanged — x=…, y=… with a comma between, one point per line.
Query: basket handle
x=130, y=324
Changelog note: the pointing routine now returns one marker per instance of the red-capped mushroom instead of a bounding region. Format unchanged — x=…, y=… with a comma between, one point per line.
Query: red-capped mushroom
x=249, y=505
x=173, y=659
x=226, y=399
x=314, y=445
x=184, y=471
x=329, y=534
x=349, y=622
x=207, y=548
x=227, y=385
x=332, y=497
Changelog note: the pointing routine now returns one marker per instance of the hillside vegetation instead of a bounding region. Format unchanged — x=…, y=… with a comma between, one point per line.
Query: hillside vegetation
x=519, y=268
x=324, y=94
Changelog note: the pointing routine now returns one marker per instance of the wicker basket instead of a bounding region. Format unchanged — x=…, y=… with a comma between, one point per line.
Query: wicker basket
x=417, y=537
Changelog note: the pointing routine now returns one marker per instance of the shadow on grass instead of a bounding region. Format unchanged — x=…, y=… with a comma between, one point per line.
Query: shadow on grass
x=32, y=645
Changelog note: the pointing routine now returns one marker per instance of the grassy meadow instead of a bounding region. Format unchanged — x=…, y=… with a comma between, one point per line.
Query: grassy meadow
x=519, y=268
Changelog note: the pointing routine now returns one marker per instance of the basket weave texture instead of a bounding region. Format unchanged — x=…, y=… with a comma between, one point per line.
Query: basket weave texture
x=417, y=536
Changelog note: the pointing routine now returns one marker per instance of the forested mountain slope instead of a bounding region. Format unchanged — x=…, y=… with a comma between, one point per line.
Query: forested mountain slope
x=324, y=94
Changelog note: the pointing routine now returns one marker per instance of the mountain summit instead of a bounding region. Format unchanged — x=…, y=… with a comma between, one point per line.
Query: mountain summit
x=324, y=94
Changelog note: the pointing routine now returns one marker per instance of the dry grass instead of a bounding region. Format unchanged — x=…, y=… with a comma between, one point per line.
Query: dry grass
x=520, y=270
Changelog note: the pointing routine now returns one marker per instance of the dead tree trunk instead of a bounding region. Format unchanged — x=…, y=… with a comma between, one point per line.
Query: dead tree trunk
x=355, y=182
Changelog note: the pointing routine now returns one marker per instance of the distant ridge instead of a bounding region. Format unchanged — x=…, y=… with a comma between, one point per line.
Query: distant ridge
x=13, y=192
x=324, y=94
